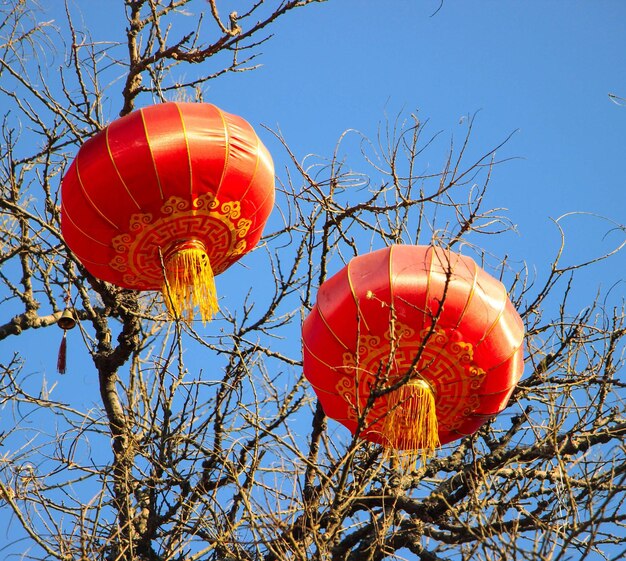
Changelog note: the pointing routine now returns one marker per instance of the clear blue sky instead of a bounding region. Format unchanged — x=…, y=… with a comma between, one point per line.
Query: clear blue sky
x=543, y=69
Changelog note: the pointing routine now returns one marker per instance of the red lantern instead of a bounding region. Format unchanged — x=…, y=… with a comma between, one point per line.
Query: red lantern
x=167, y=197
x=413, y=346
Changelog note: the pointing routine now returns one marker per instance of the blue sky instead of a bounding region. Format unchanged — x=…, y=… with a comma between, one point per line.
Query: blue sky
x=542, y=69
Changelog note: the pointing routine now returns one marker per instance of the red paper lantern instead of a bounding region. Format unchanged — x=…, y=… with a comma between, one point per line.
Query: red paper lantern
x=425, y=320
x=167, y=197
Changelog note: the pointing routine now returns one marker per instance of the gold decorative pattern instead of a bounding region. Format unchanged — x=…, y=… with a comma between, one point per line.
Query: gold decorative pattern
x=447, y=365
x=218, y=225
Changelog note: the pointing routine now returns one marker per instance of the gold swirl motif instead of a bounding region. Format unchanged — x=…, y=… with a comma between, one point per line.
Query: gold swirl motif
x=120, y=244
x=232, y=209
x=463, y=351
x=346, y=388
x=139, y=221
x=218, y=225
x=118, y=261
x=174, y=205
x=366, y=344
x=240, y=247
x=447, y=365
x=206, y=202
x=244, y=227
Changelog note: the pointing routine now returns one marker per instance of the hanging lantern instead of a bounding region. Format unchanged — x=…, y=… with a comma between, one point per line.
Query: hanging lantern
x=167, y=197
x=413, y=346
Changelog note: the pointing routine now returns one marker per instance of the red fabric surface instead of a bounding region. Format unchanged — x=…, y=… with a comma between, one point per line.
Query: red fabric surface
x=148, y=179
x=441, y=312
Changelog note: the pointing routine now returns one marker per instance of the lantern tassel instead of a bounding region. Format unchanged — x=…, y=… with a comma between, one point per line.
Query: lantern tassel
x=190, y=282
x=62, y=357
x=411, y=425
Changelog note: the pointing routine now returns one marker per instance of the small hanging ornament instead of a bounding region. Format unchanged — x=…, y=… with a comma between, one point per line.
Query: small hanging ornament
x=65, y=322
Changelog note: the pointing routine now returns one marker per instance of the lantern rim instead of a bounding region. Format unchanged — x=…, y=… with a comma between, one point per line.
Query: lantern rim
x=180, y=245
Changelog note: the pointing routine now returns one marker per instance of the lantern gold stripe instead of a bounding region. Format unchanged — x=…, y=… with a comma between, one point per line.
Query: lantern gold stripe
x=154, y=166
x=117, y=171
x=226, y=150
x=498, y=317
x=88, y=198
x=470, y=296
x=87, y=235
x=186, y=139
x=332, y=332
x=361, y=317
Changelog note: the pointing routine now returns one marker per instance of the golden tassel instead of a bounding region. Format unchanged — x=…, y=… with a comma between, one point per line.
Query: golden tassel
x=189, y=281
x=410, y=427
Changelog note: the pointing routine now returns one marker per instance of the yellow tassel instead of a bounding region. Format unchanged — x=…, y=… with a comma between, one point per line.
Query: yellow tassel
x=189, y=281
x=411, y=424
